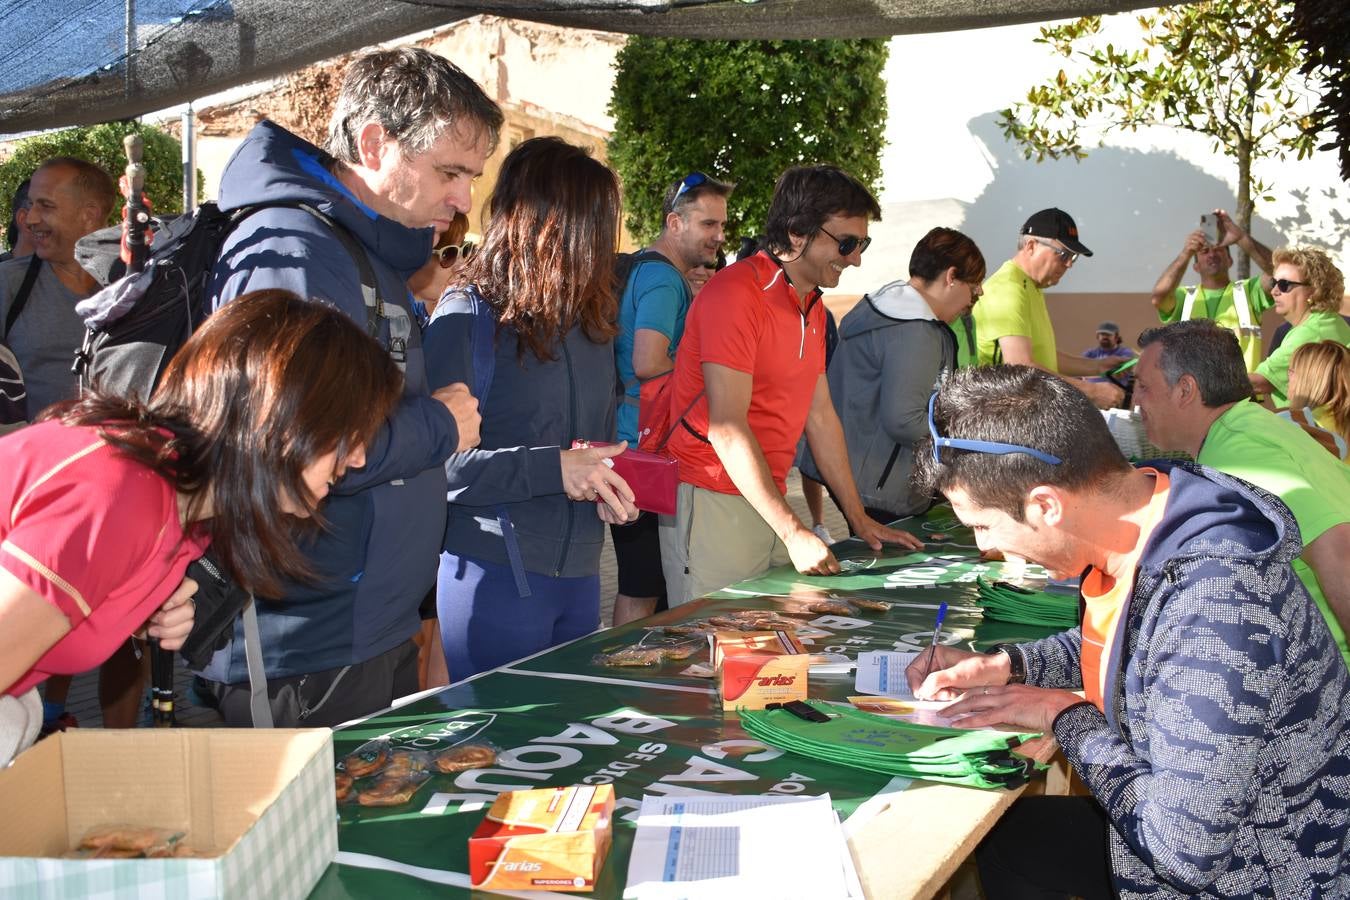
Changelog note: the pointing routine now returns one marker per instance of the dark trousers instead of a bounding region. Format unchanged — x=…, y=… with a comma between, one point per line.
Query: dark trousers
x=326, y=699
x=1047, y=847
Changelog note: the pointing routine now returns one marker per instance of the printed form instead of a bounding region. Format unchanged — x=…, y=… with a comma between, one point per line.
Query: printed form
x=710, y=847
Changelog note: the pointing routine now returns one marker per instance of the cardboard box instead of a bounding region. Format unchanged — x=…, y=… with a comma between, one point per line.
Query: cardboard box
x=756, y=668
x=764, y=643
x=259, y=804
x=551, y=839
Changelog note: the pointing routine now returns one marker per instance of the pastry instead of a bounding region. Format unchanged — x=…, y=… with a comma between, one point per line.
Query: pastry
x=467, y=756
x=631, y=656
x=367, y=759
x=344, y=785
x=389, y=791
x=403, y=763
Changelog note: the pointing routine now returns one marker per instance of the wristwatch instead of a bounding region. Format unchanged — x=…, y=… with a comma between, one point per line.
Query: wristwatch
x=1017, y=667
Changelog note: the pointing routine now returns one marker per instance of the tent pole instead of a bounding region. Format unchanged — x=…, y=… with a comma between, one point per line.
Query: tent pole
x=189, y=160
x=130, y=68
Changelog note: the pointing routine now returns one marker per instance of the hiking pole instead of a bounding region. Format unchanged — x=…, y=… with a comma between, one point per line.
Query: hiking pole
x=135, y=249
x=136, y=217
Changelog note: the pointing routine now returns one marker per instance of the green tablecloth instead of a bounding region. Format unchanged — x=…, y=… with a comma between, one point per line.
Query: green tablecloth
x=558, y=718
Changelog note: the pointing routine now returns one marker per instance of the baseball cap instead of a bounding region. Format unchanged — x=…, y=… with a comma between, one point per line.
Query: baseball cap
x=1057, y=224
x=1110, y=327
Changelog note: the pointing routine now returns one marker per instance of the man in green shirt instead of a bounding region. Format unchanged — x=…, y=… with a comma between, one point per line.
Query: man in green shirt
x=1192, y=388
x=1235, y=305
x=1012, y=323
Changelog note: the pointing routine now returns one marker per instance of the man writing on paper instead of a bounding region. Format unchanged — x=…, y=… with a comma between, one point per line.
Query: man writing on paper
x=1214, y=739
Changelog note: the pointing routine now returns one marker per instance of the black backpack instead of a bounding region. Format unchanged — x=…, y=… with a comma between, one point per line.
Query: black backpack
x=137, y=322
x=624, y=263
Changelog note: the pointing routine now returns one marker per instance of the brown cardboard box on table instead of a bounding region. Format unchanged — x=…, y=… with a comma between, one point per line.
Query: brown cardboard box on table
x=549, y=839
x=259, y=805
x=756, y=668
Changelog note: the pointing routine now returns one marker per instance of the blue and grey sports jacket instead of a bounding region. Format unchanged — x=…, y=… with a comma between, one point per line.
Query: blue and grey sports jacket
x=1223, y=759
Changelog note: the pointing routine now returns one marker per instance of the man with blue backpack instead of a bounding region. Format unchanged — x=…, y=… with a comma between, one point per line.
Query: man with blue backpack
x=347, y=224
x=654, y=301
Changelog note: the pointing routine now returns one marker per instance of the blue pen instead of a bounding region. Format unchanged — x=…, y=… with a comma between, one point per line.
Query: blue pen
x=932, y=646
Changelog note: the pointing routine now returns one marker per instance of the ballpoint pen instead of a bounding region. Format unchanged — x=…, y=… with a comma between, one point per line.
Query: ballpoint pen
x=932, y=647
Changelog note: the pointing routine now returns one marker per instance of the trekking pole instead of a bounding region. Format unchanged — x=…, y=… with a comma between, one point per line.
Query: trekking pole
x=136, y=218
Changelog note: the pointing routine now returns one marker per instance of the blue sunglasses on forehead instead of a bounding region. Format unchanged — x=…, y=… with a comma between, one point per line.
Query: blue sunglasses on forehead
x=992, y=447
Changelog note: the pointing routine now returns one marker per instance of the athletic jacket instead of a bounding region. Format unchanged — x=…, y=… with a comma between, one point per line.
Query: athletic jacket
x=378, y=558
x=1223, y=759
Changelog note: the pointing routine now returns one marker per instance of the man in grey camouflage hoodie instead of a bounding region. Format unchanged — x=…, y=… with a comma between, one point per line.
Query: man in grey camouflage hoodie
x=1214, y=736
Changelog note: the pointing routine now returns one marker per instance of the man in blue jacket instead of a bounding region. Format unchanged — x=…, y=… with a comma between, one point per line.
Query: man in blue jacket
x=409, y=133
x=1215, y=733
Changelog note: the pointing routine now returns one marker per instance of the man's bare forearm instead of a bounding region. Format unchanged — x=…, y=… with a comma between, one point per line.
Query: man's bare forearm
x=748, y=470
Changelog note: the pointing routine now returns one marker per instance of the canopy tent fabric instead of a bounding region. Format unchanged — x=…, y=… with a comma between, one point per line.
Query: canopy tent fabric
x=70, y=62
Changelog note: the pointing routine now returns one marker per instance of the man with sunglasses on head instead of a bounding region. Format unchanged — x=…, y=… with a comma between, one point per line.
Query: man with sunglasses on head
x=749, y=378
x=1213, y=733
x=1012, y=323
x=1235, y=305
x=652, y=309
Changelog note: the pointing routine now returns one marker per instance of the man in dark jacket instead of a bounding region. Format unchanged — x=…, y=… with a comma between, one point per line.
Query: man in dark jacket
x=1215, y=733
x=409, y=133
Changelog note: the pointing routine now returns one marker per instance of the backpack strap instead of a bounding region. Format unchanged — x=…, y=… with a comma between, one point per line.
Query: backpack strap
x=20, y=300
x=484, y=351
x=369, y=286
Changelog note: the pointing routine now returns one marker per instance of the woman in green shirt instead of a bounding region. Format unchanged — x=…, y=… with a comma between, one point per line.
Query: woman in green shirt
x=1308, y=290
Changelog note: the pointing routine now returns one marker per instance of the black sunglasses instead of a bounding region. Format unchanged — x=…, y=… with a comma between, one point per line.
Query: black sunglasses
x=448, y=254
x=850, y=243
x=1284, y=285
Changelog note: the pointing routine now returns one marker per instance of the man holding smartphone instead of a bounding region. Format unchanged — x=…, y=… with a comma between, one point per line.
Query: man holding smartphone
x=1235, y=305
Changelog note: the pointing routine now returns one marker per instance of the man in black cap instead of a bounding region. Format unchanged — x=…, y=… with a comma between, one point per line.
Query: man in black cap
x=1012, y=324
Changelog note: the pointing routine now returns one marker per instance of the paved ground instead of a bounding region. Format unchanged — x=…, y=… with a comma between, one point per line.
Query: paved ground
x=83, y=699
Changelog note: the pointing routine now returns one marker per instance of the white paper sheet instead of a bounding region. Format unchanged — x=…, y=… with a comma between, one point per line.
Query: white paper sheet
x=883, y=672
x=736, y=847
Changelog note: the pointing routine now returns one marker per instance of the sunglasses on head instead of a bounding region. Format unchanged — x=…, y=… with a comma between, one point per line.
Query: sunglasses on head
x=849, y=243
x=992, y=447
x=1065, y=255
x=1284, y=285
x=691, y=181
x=449, y=254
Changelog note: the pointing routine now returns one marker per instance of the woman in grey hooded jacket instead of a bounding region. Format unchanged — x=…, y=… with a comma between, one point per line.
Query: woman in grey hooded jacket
x=895, y=347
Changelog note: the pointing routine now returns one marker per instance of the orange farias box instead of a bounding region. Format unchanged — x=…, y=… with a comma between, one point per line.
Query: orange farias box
x=756, y=668
x=551, y=839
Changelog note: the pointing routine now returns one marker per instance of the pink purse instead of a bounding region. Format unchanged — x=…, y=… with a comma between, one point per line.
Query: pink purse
x=653, y=477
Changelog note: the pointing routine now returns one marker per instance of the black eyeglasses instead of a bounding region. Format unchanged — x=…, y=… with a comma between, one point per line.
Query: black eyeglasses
x=1065, y=255
x=1284, y=285
x=691, y=181
x=993, y=447
x=849, y=243
x=448, y=254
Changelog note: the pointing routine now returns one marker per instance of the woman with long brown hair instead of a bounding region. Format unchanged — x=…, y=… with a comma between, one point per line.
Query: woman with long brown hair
x=532, y=334
x=108, y=501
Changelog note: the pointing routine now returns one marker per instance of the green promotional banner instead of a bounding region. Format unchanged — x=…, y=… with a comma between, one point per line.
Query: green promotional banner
x=549, y=731
x=571, y=716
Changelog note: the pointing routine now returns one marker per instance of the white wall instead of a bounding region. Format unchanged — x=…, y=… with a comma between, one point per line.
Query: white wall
x=1134, y=199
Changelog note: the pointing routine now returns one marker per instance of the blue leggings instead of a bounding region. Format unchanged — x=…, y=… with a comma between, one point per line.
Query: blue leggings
x=485, y=623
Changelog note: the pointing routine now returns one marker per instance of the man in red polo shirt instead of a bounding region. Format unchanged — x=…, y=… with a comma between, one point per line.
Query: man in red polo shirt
x=749, y=377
